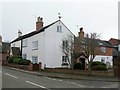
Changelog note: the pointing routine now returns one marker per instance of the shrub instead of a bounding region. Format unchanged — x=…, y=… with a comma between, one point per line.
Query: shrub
x=99, y=68
x=97, y=63
x=17, y=60
x=77, y=66
x=13, y=57
x=24, y=62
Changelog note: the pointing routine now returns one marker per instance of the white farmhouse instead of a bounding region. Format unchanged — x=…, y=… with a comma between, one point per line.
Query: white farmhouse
x=44, y=44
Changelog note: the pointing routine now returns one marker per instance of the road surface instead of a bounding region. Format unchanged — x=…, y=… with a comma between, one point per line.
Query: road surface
x=16, y=79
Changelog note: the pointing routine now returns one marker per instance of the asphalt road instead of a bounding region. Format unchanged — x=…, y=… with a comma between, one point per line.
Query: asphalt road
x=16, y=79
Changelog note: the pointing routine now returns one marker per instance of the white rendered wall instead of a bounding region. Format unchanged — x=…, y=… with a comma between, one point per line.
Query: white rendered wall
x=53, y=42
x=107, y=59
x=30, y=52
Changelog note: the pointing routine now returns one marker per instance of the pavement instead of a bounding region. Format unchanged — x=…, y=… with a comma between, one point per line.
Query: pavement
x=67, y=76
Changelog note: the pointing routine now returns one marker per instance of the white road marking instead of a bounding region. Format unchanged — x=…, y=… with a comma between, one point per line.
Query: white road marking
x=60, y=80
x=36, y=84
x=80, y=85
x=48, y=78
x=75, y=84
x=54, y=79
x=11, y=75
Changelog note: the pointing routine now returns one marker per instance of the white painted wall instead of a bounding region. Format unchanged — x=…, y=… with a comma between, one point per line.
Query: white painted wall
x=106, y=58
x=49, y=42
x=53, y=42
x=16, y=44
x=30, y=52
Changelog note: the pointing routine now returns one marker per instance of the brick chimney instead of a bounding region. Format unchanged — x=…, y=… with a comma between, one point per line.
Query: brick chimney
x=39, y=23
x=0, y=40
x=19, y=33
x=81, y=33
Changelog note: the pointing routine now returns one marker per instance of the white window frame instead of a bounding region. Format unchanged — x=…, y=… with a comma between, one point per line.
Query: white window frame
x=65, y=44
x=59, y=28
x=103, y=49
x=24, y=56
x=64, y=59
x=24, y=44
x=35, y=45
x=35, y=59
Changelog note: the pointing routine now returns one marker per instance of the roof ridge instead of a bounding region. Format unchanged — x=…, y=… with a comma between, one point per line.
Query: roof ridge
x=33, y=32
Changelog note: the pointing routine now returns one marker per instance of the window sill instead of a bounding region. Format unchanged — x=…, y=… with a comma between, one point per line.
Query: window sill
x=24, y=46
x=35, y=49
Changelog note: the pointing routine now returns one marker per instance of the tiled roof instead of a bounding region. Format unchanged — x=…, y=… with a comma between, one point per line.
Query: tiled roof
x=34, y=32
x=114, y=42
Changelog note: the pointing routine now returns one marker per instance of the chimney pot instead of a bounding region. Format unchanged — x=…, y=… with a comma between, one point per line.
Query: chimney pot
x=81, y=33
x=19, y=33
x=39, y=23
x=81, y=29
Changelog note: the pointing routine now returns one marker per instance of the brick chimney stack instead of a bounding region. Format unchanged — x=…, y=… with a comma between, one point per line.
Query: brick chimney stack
x=39, y=23
x=81, y=33
x=0, y=40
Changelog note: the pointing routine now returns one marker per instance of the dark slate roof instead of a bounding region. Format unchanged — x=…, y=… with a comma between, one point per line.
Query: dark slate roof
x=15, y=50
x=105, y=43
x=34, y=32
x=4, y=47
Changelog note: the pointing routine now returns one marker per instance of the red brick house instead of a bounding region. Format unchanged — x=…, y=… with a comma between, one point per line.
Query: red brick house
x=104, y=51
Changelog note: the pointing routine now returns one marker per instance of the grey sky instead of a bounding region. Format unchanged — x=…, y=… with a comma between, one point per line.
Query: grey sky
x=94, y=16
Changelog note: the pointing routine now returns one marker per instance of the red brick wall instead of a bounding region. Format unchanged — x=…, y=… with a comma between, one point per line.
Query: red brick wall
x=107, y=53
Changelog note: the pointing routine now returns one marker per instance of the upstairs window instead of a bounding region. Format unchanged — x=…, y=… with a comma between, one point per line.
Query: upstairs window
x=35, y=45
x=103, y=49
x=59, y=28
x=24, y=43
x=65, y=44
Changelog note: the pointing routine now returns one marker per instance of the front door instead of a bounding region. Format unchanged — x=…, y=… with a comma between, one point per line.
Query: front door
x=82, y=61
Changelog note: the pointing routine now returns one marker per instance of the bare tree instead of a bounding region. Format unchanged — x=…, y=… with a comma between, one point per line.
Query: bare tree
x=89, y=46
x=67, y=48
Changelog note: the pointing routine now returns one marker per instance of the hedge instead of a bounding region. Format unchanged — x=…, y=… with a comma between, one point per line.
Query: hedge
x=24, y=62
x=14, y=57
x=78, y=66
x=18, y=60
x=97, y=63
x=99, y=66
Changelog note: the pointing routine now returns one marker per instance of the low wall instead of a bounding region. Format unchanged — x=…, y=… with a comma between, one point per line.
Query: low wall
x=31, y=67
x=82, y=72
x=24, y=67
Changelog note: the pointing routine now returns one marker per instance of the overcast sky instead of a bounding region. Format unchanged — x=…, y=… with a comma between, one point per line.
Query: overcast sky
x=100, y=16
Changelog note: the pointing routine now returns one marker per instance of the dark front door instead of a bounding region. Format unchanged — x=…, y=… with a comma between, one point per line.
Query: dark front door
x=82, y=61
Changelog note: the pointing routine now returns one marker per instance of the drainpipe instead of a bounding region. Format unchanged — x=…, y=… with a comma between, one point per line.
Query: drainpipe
x=21, y=47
